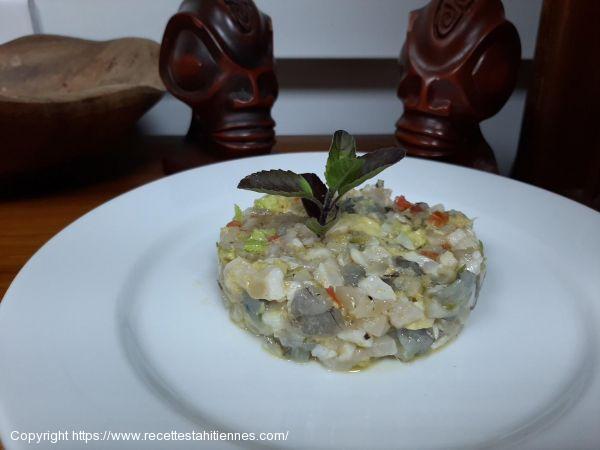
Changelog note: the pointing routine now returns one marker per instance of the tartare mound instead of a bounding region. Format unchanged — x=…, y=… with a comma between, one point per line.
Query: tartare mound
x=390, y=278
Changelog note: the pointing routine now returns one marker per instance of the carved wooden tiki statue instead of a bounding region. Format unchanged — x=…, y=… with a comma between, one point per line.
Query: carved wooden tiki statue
x=458, y=67
x=217, y=57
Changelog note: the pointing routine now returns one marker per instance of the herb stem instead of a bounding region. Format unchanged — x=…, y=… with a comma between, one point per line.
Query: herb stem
x=326, y=207
x=335, y=201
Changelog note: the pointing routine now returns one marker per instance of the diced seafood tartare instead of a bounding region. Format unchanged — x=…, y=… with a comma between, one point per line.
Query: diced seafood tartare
x=390, y=278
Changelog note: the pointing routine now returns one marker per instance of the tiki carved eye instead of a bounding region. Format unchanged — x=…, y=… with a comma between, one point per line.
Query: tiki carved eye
x=192, y=67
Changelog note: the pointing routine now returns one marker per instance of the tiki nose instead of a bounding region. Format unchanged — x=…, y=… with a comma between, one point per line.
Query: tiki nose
x=428, y=95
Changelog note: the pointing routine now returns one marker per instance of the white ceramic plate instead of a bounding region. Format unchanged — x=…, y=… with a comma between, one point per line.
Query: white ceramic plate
x=117, y=324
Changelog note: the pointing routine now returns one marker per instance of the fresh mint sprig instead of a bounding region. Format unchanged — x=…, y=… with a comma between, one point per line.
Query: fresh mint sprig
x=344, y=171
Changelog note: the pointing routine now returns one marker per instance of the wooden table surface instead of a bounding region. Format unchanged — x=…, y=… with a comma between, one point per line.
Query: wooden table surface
x=28, y=220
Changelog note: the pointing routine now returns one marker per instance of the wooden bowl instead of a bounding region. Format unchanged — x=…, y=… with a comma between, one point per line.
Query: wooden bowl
x=63, y=98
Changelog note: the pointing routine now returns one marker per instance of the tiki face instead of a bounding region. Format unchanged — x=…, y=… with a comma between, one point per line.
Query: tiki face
x=458, y=67
x=217, y=57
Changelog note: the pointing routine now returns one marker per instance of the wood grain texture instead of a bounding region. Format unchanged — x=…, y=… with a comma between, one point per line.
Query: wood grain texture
x=560, y=139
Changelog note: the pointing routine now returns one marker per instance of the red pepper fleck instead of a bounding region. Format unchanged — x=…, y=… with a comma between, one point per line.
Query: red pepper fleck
x=273, y=238
x=430, y=255
x=234, y=223
x=401, y=203
x=331, y=292
x=446, y=246
x=438, y=218
x=416, y=209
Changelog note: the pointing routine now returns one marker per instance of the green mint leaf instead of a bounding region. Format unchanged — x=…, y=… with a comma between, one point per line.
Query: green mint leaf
x=277, y=182
x=342, y=145
x=372, y=164
x=341, y=160
x=342, y=172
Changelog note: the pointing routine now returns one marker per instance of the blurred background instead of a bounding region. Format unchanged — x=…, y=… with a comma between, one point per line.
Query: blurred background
x=336, y=59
